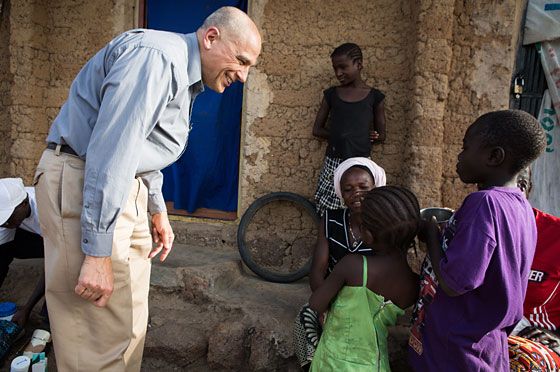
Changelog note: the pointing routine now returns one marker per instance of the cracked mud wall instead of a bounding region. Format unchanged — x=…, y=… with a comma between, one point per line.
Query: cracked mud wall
x=295, y=68
x=485, y=35
x=6, y=79
x=440, y=64
x=43, y=44
x=424, y=138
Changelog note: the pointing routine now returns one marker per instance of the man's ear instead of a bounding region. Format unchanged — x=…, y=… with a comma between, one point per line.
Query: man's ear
x=210, y=36
x=496, y=157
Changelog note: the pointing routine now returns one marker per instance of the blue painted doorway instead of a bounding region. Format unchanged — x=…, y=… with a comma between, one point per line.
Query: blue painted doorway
x=204, y=181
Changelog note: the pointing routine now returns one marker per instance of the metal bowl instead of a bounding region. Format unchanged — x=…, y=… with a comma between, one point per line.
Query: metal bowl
x=441, y=214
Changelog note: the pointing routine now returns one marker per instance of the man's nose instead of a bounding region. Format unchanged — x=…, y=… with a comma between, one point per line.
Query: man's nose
x=242, y=75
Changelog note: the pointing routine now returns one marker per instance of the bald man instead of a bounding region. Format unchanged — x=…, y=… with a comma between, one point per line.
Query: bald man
x=126, y=117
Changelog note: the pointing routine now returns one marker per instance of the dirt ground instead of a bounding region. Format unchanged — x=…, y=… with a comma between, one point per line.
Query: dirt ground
x=208, y=313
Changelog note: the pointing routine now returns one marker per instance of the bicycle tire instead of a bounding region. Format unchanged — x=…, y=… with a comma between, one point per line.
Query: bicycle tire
x=246, y=219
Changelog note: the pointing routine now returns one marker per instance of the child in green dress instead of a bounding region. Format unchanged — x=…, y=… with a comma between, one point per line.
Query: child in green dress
x=369, y=293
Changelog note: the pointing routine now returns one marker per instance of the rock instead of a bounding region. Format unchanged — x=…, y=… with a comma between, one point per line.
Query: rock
x=176, y=344
x=226, y=346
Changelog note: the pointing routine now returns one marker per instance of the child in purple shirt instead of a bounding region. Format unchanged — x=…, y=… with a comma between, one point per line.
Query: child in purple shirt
x=474, y=278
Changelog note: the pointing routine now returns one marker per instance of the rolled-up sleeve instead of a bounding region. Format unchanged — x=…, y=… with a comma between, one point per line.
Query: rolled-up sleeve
x=136, y=90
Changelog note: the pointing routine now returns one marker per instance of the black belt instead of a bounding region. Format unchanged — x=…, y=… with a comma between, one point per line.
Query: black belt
x=63, y=148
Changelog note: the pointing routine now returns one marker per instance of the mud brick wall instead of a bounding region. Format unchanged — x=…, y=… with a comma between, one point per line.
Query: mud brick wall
x=485, y=35
x=440, y=64
x=43, y=45
x=285, y=90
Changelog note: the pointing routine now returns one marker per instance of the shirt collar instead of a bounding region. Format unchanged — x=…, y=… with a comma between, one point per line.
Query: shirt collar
x=194, y=67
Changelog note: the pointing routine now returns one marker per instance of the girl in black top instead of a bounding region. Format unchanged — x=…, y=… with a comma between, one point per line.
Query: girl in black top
x=356, y=119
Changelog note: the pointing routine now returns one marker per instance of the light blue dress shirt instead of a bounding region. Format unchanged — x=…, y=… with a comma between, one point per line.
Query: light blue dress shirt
x=127, y=114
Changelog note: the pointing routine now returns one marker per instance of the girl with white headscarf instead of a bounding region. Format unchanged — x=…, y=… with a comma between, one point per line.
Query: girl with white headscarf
x=376, y=171
x=339, y=235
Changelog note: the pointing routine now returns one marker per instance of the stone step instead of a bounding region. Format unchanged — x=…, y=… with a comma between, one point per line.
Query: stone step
x=210, y=313
x=239, y=320
x=204, y=232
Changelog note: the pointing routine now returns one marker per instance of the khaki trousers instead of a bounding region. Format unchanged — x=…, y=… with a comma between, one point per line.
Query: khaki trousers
x=86, y=337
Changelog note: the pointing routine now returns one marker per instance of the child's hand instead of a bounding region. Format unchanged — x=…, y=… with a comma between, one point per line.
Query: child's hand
x=21, y=316
x=323, y=318
x=426, y=226
x=373, y=135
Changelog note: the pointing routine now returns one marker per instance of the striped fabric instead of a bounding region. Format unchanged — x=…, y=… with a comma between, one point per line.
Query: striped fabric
x=338, y=237
x=539, y=316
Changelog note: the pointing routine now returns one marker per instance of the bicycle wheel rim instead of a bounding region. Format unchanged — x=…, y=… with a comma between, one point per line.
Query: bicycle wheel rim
x=245, y=251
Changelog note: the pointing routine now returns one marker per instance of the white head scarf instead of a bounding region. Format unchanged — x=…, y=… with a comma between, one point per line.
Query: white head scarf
x=377, y=172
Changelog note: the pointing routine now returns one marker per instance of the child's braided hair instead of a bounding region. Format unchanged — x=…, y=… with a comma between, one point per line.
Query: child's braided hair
x=351, y=50
x=392, y=215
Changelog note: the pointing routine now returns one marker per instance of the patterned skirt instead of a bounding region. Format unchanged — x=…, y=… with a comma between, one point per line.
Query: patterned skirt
x=325, y=197
x=307, y=330
x=527, y=355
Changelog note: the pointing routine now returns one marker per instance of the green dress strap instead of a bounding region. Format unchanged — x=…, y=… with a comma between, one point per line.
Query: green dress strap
x=364, y=274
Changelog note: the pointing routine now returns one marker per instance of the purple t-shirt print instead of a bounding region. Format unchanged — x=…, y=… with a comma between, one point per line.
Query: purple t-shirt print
x=488, y=248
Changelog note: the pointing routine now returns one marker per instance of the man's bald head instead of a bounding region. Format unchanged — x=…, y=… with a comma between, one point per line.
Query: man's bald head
x=229, y=44
x=231, y=21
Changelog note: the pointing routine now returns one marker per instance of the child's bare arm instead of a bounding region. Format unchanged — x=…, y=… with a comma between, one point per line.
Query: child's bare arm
x=320, y=261
x=22, y=315
x=319, y=129
x=378, y=123
x=430, y=231
x=322, y=296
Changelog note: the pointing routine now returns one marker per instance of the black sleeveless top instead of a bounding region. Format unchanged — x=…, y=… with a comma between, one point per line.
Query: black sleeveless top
x=336, y=232
x=350, y=124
